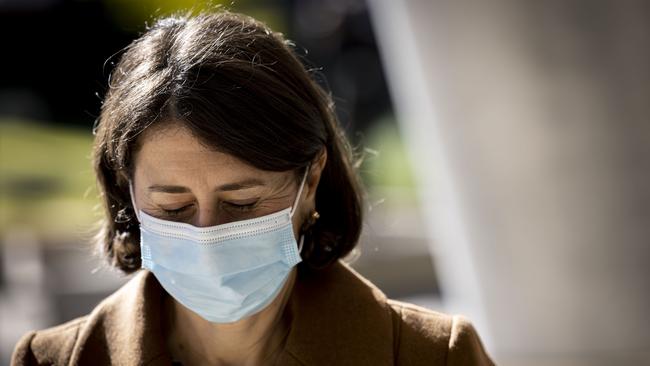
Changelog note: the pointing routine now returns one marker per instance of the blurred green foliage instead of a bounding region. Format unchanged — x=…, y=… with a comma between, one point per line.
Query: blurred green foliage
x=46, y=179
x=132, y=15
x=386, y=169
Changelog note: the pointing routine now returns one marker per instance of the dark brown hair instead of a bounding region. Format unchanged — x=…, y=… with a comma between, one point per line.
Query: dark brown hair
x=240, y=88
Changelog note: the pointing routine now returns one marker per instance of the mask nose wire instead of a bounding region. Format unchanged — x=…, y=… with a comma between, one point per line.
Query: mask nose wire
x=135, y=209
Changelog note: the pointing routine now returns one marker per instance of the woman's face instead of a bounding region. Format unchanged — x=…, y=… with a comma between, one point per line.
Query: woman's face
x=177, y=178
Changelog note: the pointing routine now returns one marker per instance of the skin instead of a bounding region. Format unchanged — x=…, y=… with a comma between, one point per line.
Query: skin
x=177, y=178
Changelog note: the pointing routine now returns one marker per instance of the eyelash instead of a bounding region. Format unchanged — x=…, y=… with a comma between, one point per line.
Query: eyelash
x=175, y=212
x=242, y=208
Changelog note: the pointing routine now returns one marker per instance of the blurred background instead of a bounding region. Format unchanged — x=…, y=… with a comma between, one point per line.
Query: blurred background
x=507, y=149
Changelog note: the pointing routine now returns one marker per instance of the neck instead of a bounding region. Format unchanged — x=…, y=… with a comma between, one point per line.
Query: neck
x=258, y=339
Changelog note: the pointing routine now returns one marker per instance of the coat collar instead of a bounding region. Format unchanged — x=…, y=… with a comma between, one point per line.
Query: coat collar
x=340, y=318
x=337, y=316
x=126, y=328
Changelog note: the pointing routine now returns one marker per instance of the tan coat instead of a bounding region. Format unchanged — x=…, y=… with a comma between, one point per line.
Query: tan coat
x=339, y=319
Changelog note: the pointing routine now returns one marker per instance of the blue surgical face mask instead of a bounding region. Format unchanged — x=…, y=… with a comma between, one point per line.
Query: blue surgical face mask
x=225, y=272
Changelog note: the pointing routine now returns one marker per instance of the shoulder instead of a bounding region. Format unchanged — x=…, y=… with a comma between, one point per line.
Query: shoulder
x=52, y=346
x=363, y=326
x=123, y=329
x=423, y=335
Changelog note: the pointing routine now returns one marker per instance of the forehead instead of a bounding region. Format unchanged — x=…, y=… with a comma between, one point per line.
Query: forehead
x=170, y=154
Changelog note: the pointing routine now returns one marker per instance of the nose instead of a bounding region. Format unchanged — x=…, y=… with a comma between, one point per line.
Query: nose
x=206, y=217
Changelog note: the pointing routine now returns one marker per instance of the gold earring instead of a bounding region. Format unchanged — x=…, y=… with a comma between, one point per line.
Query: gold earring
x=314, y=217
x=311, y=220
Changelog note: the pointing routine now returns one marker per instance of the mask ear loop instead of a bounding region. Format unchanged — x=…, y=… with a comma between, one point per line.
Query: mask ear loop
x=295, y=204
x=135, y=209
x=302, y=185
x=302, y=241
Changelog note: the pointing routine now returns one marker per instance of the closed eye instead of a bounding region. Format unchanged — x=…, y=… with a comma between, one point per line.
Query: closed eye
x=175, y=212
x=241, y=206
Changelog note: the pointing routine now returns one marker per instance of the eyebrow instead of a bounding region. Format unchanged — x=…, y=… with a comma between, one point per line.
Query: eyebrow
x=247, y=183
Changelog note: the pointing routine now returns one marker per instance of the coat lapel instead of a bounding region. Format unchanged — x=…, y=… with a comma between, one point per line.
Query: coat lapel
x=339, y=318
x=126, y=328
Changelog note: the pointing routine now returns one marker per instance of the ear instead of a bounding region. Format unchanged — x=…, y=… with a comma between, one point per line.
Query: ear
x=315, y=171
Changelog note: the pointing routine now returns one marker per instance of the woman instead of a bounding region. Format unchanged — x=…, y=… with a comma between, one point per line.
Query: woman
x=224, y=174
